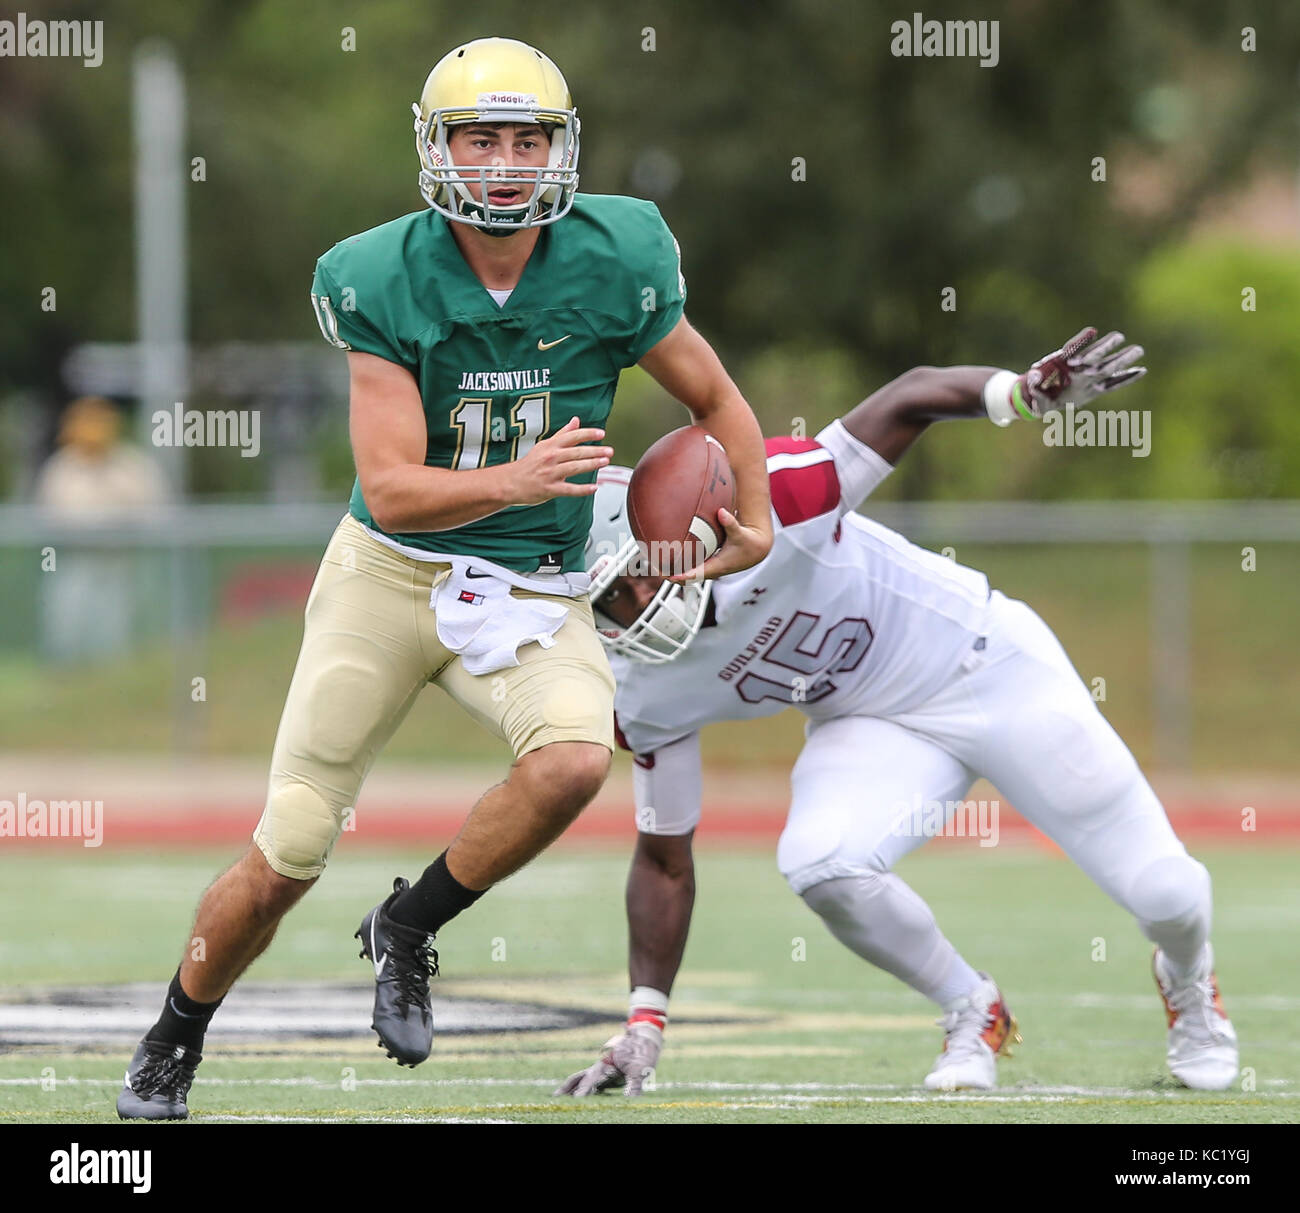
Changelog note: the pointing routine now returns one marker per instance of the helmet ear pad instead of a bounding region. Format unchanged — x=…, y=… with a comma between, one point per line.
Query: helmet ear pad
x=559, y=142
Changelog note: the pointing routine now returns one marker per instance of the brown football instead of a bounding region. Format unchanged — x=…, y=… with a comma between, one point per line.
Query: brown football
x=673, y=499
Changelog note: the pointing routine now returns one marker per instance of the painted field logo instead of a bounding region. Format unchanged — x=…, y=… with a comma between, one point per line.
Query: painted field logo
x=1100, y=427
x=945, y=40
x=24, y=39
x=77, y=1166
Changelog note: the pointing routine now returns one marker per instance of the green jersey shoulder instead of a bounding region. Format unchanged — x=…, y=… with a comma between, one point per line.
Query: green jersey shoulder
x=379, y=291
x=602, y=286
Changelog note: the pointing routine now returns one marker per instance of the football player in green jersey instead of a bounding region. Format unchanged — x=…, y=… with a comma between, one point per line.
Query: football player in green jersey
x=485, y=337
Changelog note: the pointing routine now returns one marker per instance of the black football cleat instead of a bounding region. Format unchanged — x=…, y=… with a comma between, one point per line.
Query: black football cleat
x=404, y=960
x=158, y=1081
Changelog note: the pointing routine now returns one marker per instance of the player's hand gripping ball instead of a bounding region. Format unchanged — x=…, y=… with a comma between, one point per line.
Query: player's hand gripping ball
x=673, y=499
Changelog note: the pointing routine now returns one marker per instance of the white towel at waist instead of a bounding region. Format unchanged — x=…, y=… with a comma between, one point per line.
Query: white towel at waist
x=479, y=620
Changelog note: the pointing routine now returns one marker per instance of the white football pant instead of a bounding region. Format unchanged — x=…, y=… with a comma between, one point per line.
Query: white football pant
x=866, y=791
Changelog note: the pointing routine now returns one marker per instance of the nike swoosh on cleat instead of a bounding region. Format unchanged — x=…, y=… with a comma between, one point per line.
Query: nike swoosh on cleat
x=546, y=345
x=379, y=964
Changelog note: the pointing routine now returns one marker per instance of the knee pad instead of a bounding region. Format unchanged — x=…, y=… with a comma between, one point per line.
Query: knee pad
x=806, y=867
x=1174, y=889
x=839, y=899
x=297, y=832
x=809, y=853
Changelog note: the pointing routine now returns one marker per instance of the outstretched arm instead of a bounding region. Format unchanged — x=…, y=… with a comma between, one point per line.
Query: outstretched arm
x=891, y=419
x=896, y=415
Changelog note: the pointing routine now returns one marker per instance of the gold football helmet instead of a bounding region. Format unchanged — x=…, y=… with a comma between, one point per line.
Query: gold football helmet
x=496, y=80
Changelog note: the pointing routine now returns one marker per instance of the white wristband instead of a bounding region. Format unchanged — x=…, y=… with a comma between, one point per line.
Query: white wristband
x=997, y=398
x=649, y=998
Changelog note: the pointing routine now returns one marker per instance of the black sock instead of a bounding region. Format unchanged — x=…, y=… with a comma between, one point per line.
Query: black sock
x=183, y=1021
x=437, y=897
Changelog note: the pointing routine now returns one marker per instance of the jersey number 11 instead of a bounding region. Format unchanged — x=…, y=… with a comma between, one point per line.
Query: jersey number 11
x=530, y=416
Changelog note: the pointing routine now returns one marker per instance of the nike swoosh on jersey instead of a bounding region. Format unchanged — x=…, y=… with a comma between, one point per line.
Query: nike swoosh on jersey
x=546, y=345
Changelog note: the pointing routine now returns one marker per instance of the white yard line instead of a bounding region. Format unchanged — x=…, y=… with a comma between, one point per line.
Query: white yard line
x=364, y=1120
x=798, y=1092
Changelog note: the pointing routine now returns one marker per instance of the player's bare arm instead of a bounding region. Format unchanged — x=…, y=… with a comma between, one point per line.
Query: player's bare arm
x=896, y=415
x=389, y=437
x=660, y=898
x=685, y=365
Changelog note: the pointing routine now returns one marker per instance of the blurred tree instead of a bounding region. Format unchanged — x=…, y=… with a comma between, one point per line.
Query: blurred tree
x=824, y=191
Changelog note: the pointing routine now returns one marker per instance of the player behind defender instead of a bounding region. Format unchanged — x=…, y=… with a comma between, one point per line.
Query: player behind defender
x=915, y=679
x=485, y=337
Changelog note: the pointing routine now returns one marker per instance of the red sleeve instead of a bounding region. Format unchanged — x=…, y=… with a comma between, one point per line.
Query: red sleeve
x=803, y=479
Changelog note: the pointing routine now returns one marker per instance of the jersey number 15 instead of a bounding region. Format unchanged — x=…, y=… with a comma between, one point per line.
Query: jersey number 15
x=841, y=648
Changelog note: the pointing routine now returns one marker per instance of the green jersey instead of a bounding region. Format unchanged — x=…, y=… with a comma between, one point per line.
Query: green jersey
x=602, y=286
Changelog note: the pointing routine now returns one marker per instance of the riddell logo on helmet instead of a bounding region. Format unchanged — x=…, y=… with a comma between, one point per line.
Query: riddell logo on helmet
x=528, y=100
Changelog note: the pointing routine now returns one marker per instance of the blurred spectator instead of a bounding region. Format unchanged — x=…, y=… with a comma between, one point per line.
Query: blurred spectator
x=92, y=478
x=94, y=472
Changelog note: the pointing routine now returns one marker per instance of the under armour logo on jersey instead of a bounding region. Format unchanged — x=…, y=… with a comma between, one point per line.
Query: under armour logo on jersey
x=752, y=600
x=470, y=597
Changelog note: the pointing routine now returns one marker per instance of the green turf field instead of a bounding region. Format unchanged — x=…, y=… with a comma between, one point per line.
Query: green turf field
x=771, y=1019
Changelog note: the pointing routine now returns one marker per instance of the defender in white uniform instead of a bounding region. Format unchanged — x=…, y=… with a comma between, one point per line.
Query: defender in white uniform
x=916, y=679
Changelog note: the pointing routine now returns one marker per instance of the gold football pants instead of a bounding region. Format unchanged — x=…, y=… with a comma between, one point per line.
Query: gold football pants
x=369, y=645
